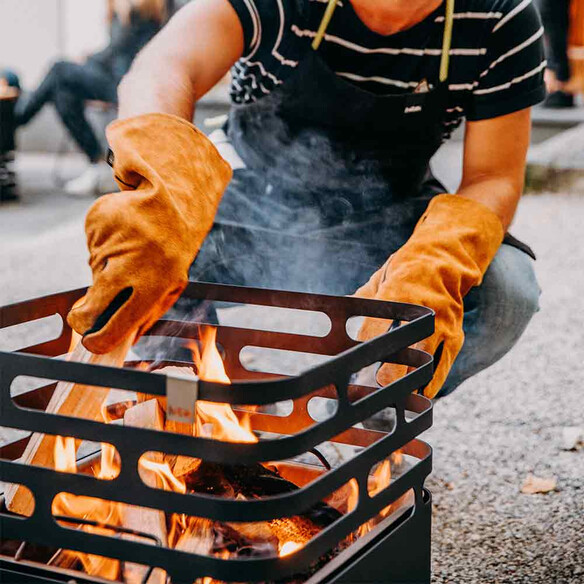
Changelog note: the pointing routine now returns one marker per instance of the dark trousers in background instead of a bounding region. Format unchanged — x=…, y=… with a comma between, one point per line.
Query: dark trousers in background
x=68, y=86
x=7, y=125
x=556, y=21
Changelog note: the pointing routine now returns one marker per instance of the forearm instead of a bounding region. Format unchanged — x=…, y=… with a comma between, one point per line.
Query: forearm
x=494, y=164
x=186, y=59
x=156, y=85
x=500, y=195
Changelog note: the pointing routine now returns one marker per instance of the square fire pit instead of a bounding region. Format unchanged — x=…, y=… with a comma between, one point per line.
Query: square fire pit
x=361, y=528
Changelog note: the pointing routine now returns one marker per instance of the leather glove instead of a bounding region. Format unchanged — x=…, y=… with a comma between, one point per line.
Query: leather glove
x=143, y=240
x=448, y=253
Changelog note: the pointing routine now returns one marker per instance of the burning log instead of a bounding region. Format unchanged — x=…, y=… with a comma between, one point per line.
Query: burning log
x=262, y=538
x=229, y=541
x=69, y=399
x=117, y=403
x=197, y=537
x=145, y=415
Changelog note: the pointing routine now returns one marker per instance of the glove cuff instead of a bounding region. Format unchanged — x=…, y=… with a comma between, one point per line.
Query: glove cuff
x=161, y=141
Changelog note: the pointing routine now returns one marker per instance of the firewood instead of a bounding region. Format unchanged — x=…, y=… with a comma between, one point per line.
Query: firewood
x=252, y=481
x=99, y=566
x=145, y=415
x=117, y=402
x=92, y=565
x=69, y=399
x=229, y=541
x=197, y=537
x=261, y=539
x=65, y=559
x=180, y=465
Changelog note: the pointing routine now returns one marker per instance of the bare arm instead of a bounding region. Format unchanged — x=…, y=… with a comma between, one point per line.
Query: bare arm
x=494, y=162
x=186, y=59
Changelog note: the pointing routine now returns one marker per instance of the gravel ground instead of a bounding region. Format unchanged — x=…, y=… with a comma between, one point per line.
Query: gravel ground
x=507, y=422
x=500, y=426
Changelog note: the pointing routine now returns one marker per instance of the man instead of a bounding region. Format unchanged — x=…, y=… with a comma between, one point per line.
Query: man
x=337, y=110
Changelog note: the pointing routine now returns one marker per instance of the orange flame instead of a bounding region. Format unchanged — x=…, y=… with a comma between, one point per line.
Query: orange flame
x=216, y=420
x=79, y=506
x=381, y=478
x=208, y=359
x=163, y=472
x=103, y=512
x=65, y=450
x=379, y=481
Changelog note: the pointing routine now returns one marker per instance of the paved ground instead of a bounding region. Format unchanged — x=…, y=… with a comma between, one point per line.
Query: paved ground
x=500, y=426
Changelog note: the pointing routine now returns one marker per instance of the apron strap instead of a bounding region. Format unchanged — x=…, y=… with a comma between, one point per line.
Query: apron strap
x=447, y=41
x=324, y=23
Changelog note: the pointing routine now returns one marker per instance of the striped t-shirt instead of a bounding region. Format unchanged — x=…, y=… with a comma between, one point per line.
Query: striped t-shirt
x=496, y=59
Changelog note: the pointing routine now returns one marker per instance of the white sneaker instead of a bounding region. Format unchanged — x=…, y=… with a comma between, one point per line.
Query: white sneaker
x=87, y=184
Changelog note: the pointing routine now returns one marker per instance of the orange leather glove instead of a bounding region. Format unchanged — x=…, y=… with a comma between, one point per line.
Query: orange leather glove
x=448, y=253
x=143, y=240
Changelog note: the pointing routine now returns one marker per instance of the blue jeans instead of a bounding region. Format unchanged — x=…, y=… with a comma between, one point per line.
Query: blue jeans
x=496, y=314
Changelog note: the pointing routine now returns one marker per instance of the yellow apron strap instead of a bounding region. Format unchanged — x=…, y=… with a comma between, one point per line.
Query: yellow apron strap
x=326, y=20
x=447, y=41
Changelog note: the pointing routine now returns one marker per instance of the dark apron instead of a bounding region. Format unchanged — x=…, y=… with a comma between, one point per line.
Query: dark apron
x=336, y=179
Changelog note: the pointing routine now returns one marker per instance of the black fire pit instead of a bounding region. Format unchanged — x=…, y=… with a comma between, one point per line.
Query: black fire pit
x=396, y=549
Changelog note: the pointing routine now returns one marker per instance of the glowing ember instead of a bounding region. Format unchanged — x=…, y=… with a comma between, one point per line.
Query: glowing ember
x=289, y=548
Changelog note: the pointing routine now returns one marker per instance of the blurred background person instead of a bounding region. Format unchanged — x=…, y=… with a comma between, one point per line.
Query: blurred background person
x=68, y=85
x=9, y=92
x=555, y=15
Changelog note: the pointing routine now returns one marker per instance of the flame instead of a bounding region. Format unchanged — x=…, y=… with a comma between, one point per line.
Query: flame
x=381, y=478
x=80, y=507
x=216, y=420
x=109, y=467
x=208, y=359
x=353, y=497
x=289, y=547
x=163, y=472
x=379, y=481
x=65, y=450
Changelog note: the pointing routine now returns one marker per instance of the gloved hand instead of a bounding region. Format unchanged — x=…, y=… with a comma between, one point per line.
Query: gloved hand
x=448, y=253
x=143, y=240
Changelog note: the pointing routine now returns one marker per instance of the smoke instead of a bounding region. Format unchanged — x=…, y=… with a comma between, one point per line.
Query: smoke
x=306, y=214
x=313, y=211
